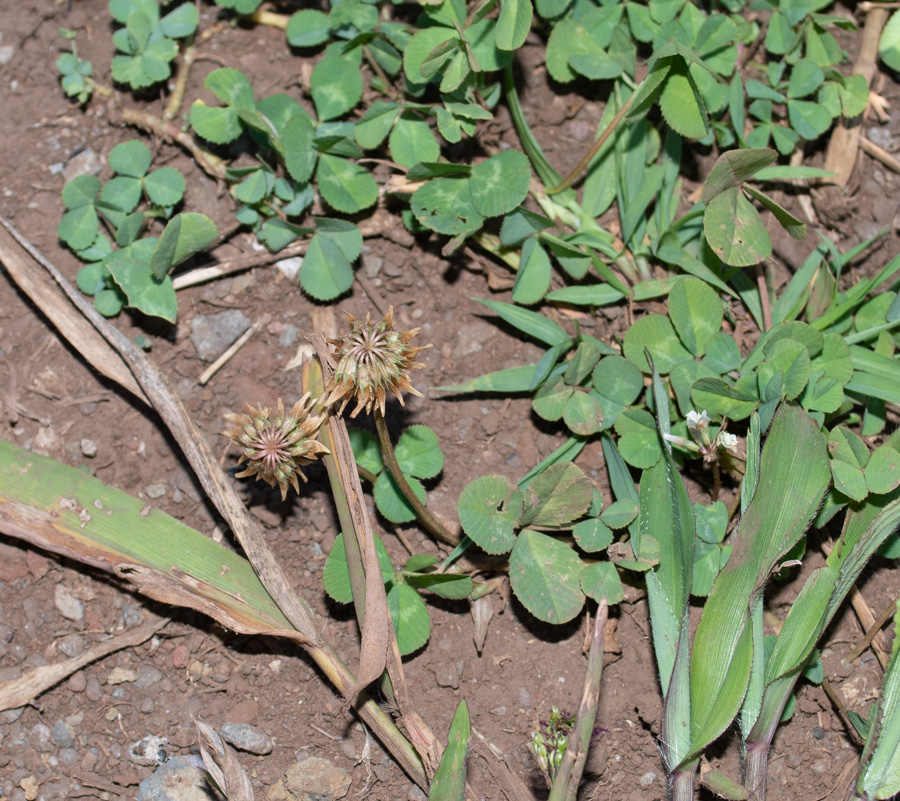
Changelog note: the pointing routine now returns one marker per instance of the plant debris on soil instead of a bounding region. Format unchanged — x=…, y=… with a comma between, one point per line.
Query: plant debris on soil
x=88, y=736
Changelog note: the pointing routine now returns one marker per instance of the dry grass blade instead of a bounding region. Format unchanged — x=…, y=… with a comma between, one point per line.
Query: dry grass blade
x=376, y=620
x=220, y=490
x=223, y=766
x=193, y=444
x=25, y=689
x=840, y=157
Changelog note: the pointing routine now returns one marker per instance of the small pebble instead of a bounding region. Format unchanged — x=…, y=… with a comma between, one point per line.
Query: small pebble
x=40, y=737
x=85, y=162
x=155, y=490
x=62, y=735
x=77, y=682
x=182, y=778
x=89, y=448
x=30, y=785
x=818, y=732
x=447, y=675
x=67, y=604
x=121, y=676
x=246, y=738
x=147, y=676
x=211, y=334
x=647, y=779
x=132, y=615
x=180, y=657
x=72, y=645
x=93, y=690
x=290, y=268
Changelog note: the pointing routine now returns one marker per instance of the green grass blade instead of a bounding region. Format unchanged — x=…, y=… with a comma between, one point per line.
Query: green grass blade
x=69, y=512
x=794, y=476
x=880, y=775
x=666, y=515
x=528, y=322
x=449, y=783
x=513, y=379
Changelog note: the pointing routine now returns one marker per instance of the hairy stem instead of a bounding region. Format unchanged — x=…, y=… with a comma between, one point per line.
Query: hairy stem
x=682, y=783
x=756, y=768
x=431, y=524
x=181, y=80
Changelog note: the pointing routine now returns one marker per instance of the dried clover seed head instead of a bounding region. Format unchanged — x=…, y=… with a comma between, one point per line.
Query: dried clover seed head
x=276, y=447
x=370, y=360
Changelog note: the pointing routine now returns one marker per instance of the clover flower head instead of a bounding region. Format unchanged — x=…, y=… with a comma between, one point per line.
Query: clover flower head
x=275, y=447
x=727, y=441
x=371, y=360
x=698, y=421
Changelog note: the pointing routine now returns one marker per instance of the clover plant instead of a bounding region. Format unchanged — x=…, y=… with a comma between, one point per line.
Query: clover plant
x=408, y=611
x=75, y=72
x=137, y=273
x=147, y=43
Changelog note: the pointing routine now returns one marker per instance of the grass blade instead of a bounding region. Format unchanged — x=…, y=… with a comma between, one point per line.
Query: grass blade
x=793, y=477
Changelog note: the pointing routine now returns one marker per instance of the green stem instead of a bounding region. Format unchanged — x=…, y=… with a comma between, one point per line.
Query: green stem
x=756, y=767
x=682, y=783
x=595, y=148
x=431, y=524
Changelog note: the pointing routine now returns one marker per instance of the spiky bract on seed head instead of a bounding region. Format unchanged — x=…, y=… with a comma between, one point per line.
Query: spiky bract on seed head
x=276, y=446
x=370, y=360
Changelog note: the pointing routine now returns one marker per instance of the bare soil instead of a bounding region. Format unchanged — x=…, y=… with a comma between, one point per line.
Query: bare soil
x=51, y=400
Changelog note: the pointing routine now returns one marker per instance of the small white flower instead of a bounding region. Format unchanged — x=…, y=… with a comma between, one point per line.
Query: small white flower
x=698, y=421
x=727, y=441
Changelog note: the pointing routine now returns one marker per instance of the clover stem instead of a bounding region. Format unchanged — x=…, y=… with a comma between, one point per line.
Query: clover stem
x=431, y=524
x=209, y=163
x=181, y=81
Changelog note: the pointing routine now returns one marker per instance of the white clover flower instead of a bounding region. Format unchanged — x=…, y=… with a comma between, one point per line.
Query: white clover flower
x=727, y=441
x=698, y=421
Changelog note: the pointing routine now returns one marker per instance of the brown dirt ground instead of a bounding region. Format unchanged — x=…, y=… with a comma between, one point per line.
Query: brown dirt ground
x=51, y=399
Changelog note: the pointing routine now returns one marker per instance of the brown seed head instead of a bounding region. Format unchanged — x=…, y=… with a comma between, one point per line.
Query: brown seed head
x=275, y=447
x=371, y=360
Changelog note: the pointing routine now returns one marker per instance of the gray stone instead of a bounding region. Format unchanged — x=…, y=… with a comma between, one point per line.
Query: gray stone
x=93, y=690
x=316, y=778
x=6, y=54
x=288, y=336
x=11, y=715
x=40, y=737
x=155, y=491
x=72, y=645
x=67, y=604
x=132, y=615
x=147, y=676
x=89, y=448
x=211, y=334
x=447, y=675
x=85, y=162
x=290, y=268
x=62, y=735
x=246, y=738
x=648, y=778
x=182, y=778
